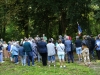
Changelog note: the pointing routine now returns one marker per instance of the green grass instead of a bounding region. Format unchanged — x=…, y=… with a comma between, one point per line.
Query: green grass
x=9, y=68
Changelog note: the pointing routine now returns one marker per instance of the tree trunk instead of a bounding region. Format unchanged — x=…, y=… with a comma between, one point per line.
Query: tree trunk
x=62, y=23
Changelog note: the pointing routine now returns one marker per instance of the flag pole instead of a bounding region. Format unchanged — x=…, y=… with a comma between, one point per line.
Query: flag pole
x=79, y=29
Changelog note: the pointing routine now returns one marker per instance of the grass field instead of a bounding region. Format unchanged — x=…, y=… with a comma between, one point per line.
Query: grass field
x=8, y=68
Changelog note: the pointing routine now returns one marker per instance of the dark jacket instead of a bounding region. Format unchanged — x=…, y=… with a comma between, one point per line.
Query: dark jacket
x=42, y=48
x=27, y=47
x=21, y=51
x=0, y=47
x=78, y=43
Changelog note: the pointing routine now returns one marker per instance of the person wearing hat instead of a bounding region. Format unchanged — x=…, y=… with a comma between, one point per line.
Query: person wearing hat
x=78, y=44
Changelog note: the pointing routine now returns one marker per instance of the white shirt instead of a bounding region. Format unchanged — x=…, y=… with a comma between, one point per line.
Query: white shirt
x=60, y=48
x=5, y=45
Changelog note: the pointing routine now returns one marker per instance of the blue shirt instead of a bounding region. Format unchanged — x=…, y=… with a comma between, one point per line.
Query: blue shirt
x=14, y=50
x=9, y=47
x=68, y=45
x=21, y=51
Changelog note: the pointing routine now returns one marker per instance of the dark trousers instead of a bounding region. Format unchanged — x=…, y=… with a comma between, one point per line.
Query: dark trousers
x=91, y=52
x=70, y=56
x=30, y=57
x=15, y=58
x=98, y=54
x=44, y=58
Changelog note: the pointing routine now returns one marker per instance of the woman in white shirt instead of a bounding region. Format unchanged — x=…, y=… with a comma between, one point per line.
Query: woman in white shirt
x=61, y=53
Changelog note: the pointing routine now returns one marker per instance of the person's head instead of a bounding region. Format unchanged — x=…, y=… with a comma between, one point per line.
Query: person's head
x=43, y=35
x=50, y=40
x=99, y=36
x=14, y=44
x=59, y=41
x=17, y=42
x=60, y=36
x=33, y=40
x=77, y=37
x=84, y=37
x=88, y=36
x=4, y=42
x=9, y=42
x=67, y=38
x=21, y=39
x=26, y=39
x=41, y=39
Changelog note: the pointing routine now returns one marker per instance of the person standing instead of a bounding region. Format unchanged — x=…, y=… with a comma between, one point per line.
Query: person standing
x=97, y=42
x=22, y=55
x=28, y=49
x=92, y=47
x=1, y=53
x=34, y=49
x=8, y=48
x=51, y=52
x=85, y=54
x=4, y=50
x=44, y=38
x=61, y=53
x=78, y=44
x=15, y=53
x=68, y=49
x=42, y=48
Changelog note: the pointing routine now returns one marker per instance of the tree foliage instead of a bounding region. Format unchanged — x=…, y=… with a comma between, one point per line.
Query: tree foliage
x=24, y=18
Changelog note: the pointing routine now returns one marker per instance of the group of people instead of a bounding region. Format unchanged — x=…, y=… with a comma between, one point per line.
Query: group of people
x=40, y=49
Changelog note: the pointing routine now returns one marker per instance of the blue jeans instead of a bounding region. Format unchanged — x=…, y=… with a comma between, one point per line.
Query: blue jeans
x=30, y=57
x=1, y=56
x=15, y=58
x=23, y=60
x=39, y=57
x=51, y=58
